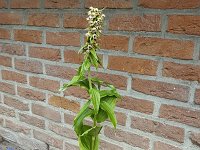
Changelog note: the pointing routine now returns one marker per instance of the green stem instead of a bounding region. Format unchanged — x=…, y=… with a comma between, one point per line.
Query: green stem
x=89, y=78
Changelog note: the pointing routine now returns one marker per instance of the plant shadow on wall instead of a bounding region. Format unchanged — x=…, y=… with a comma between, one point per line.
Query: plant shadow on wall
x=100, y=106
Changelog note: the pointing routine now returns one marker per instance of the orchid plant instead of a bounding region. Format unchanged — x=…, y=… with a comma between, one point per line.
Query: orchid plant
x=103, y=96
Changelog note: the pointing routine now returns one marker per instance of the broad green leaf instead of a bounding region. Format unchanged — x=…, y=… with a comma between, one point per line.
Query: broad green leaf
x=92, y=131
x=101, y=116
x=84, y=142
x=93, y=52
x=95, y=97
x=96, y=143
x=104, y=93
x=106, y=107
x=94, y=61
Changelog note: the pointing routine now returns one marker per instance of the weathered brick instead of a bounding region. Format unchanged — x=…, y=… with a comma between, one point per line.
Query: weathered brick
x=121, y=118
x=119, y=42
x=15, y=103
x=161, y=89
x=11, y=18
x=62, y=4
x=184, y=24
x=16, y=127
x=133, y=65
x=63, y=38
x=63, y=131
x=3, y=4
x=45, y=53
x=197, y=96
x=75, y=21
x=32, y=36
x=43, y=19
x=30, y=94
x=13, y=49
x=5, y=61
x=13, y=76
x=195, y=138
x=77, y=92
x=163, y=146
x=1, y=124
x=109, y=3
x=7, y=111
x=69, y=118
x=138, y=105
x=60, y=71
x=45, y=84
x=31, y=120
x=180, y=114
x=160, y=129
x=70, y=146
x=47, y=138
x=127, y=137
x=117, y=80
x=71, y=56
x=64, y=103
x=169, y=4
x=182, y=71
x=149, y=23
x=28, y=65
x=25, y=4
x=4, y=33
x=7, y=88
x=46, y=112
x=164, y=47
x=105, y=145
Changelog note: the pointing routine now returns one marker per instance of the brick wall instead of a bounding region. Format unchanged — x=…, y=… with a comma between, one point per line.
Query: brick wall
x=150, y=52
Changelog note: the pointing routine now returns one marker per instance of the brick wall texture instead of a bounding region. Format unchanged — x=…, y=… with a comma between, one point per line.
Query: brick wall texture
x=150, y=52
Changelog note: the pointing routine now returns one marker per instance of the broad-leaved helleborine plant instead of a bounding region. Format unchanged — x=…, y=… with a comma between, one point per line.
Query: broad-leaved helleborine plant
x=103, y=96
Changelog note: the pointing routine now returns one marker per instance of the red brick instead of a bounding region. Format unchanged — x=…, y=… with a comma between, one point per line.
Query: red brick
x=63, y=131
x=161, y=89
x=119, y=42
x=31, y=120
x=25, y=4
x=162, y=146
x=5, y=61
x=4, y=34
x=75, y=21
x=45, y=53
x=197, y=97
x=70, y=146
x=121, y=118
x=184, y=24
x=138, y=105
x=7, y=88
x=62, y=4
x=7, y=111
x=71, y=56
x=159, y=129
x=1, y=121
x=28, y=65
x=30, y=94
x=180, y=114
x=109, y=3
x=15, y=103
x=195, y=138
x=43, y=19
x=13, y=76
x=60, y=71
x=105, y=145
x=49, y=139
x=63, y=38
x=77, y=92
x=64, y=103
x=127, y=137
x=32, y=36
x=13, y=49
x=3, y=4
x=169, y=4
x=17, y=127
x=11, y=18
x=133, y=65
x=117, y=80
x=182, y=71
x=46, y=112
x=45, y=84
x=164, y=47
x=149, y=23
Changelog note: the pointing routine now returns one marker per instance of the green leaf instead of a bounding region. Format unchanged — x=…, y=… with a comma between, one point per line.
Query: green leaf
x=84, y=142
x=94, y=61
x=95, y=97
x=106, y=107
x=112, y=92
x=101, y=116
x=96, y=143
x=93, y=52
x=92, y=131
